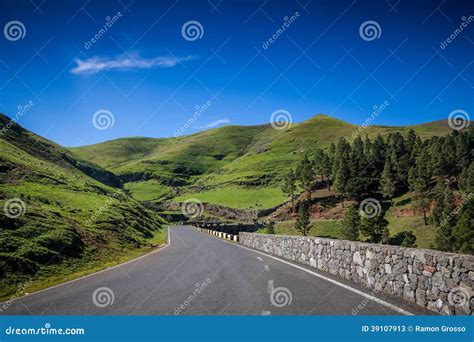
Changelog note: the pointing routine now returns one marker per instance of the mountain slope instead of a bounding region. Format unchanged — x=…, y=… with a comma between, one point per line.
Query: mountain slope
x=59, y=216
x=231, y=161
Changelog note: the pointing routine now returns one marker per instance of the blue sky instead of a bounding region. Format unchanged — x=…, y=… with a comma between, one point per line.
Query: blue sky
x=151, y=79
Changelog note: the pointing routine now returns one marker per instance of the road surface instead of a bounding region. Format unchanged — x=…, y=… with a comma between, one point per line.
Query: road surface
x=198, y=274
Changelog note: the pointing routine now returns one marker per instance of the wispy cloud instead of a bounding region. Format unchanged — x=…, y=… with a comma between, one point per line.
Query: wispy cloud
x=130, y=62
x=216, y=123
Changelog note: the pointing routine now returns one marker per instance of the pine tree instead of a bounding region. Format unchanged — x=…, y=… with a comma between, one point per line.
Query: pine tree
x=444, y=239
x=463, y=232
x=358, y=183
x=378, y=155
x=289, y=186
x=420, y=178
x=302, y=219
x=305, y=174
x=438, y=199
x=341, y=170
x=400, y=158
x=350, y=224
x=270, y=228
x=373, y=227
x=326, y=169
x=466, y=180
x=387, y=181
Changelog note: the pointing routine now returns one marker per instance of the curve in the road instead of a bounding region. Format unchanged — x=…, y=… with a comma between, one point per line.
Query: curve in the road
x=198, y=274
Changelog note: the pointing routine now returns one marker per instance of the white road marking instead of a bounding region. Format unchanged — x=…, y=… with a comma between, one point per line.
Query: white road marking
x=266, y=313
x=335, y=282
x=270, y=286
x=266, y=268
x=259, y=258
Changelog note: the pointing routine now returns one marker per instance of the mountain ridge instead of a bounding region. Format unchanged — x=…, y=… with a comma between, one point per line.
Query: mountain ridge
x=233, y=156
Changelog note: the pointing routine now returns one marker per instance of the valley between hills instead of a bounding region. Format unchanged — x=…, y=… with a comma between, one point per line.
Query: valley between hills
x=88, y=207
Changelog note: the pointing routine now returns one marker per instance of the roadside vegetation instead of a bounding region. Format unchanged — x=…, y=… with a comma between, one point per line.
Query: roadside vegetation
x=59, y=217
x=433, y=178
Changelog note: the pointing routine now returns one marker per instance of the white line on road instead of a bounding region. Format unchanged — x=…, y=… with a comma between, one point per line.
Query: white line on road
x=259, y=258
x=270, y=286
x=335, y=282
x=266, y=268
x=266, y=313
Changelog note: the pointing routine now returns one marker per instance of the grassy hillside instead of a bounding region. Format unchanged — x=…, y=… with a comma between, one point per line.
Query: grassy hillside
x=59, y=218
x=232, y=160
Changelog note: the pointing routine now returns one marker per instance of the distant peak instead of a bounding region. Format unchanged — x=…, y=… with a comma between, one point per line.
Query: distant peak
x=328, y=118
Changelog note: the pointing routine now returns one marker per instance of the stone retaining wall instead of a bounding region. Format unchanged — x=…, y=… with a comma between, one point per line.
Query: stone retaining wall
x=439, y=281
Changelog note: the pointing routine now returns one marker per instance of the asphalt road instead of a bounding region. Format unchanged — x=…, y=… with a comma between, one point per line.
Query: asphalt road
x=197, y=274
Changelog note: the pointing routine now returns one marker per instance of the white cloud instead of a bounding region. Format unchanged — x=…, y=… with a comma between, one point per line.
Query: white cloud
x=129, y=62
x=216, y=123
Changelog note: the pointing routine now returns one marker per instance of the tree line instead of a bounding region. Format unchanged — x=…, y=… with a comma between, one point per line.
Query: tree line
x=438, y=172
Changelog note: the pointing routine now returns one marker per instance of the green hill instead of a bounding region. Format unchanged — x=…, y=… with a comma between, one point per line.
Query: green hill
x=230, y=165
x=63, y=216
